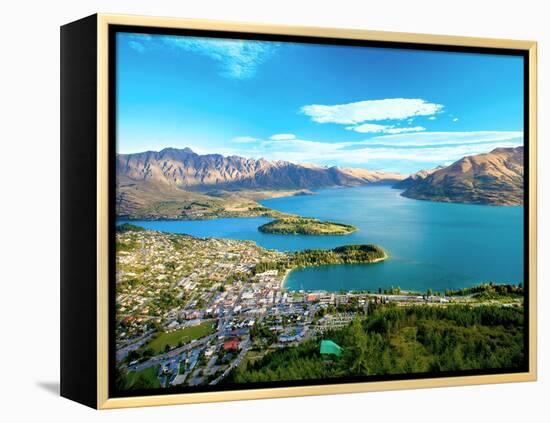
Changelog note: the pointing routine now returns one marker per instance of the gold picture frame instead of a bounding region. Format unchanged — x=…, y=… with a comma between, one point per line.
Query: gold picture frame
x=101, y=24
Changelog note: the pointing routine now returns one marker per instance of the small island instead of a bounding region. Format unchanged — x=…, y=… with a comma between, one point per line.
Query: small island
x=305, y=226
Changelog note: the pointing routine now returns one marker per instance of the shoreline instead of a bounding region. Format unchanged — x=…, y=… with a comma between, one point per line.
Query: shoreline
x=288, y=271
x=283, y=281
x=378, y=260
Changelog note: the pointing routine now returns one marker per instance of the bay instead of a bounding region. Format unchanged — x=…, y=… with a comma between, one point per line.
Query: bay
x=430, y=244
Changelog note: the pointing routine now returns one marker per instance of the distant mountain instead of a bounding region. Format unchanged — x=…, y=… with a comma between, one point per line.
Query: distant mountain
x=180, y=184
x=493, y=178
x=188, y=170
x=415, y=177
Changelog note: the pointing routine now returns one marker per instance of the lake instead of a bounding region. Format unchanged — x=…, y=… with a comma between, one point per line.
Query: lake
x=430, y=245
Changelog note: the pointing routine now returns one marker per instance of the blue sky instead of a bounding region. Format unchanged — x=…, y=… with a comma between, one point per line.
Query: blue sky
x=383, y=109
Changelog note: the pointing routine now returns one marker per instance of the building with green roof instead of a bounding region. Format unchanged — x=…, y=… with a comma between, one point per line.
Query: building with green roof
x=330, y=347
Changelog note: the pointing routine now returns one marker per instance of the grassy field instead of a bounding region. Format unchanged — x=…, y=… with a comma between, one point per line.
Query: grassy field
x=144, y=379
x=172, y=339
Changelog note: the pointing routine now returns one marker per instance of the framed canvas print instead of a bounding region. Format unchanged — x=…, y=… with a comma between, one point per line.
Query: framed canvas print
x=254, y=211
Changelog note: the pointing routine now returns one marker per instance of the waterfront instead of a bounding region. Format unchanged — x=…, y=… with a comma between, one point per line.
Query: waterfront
x=430, y=245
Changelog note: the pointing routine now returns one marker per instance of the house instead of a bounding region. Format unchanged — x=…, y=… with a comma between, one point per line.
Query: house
x=172, y=325
x=194, y=322
x=192, y=315
x=313, y=297
x=231, y=345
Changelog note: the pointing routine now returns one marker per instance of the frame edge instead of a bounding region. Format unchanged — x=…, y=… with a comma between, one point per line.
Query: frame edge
x=78, y=362
x=103, y=400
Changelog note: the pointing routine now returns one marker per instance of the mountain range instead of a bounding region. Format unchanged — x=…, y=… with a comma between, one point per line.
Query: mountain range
x=494, y=178
x=415, y=177
x=181, y=184
x=188, y=170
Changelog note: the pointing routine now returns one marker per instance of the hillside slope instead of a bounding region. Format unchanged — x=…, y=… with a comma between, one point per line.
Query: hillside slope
x=494, y=178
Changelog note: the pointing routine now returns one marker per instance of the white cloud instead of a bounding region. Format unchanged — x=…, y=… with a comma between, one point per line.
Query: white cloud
x=137, y=42
x=434, y=139
x=244, y=139
x=238, y=59
x=136, y=36
x=371, y=110
x=455, y=119
x=431, y=118
x=428, y=147
x=368, y=128
x=137, y=46
x=386, y=129
x=405, y=129
x=282, y=137
x=432, y=154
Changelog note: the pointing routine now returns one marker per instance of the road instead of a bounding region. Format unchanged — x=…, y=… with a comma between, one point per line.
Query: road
x=171, y=354
x=235, y=363
x=134, y=345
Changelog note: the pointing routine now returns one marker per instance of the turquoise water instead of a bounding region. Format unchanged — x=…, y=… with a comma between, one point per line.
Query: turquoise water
x=431, y=245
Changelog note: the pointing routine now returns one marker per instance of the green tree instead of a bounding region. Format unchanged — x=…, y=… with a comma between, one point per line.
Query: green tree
x=356, y=352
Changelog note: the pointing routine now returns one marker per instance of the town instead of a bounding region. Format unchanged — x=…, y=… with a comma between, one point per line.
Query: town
x=190, y=310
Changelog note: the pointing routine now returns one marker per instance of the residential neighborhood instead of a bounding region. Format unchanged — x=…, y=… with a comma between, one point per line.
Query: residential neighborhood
x=190, y=310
